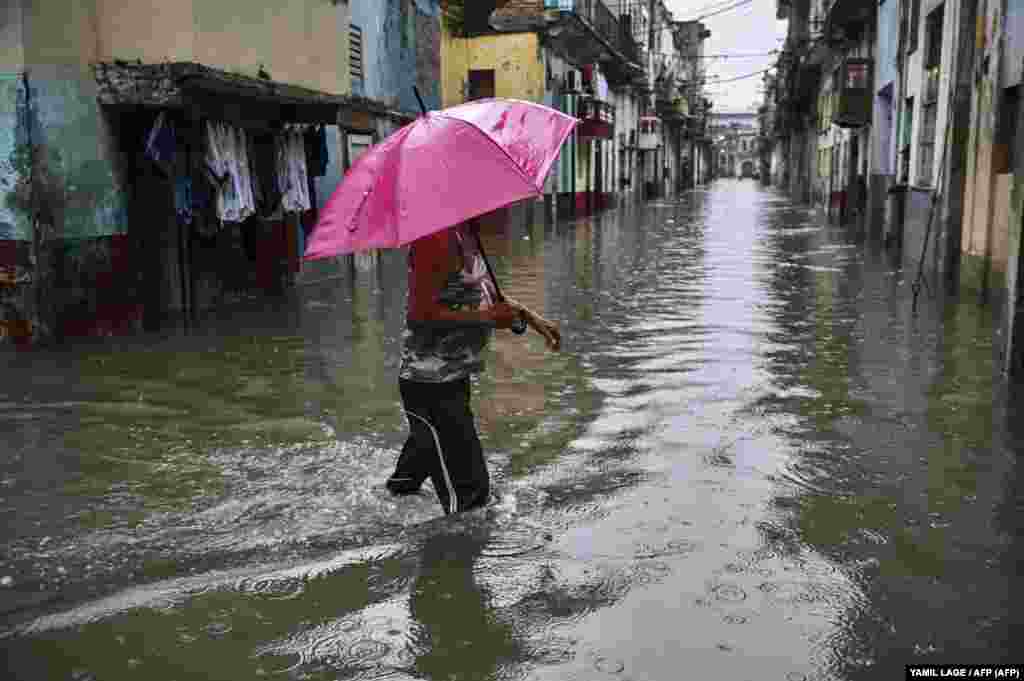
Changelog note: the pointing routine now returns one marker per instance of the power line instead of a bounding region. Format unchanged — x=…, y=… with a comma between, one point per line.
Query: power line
x=685, y=57
x=737, y=5
x=713, y=5
x=743, y=77
x=734, y=56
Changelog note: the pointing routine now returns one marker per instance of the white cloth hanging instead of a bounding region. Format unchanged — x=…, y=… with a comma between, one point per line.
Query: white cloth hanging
x=292, y=175
x=227, y=157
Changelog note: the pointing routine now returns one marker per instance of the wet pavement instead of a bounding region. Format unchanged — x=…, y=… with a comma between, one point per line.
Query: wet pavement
x=749, y=460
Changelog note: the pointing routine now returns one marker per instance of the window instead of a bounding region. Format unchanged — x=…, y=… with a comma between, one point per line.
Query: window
x=481, y=84
x=913, y=29
x=930, y=103
x=355, y=58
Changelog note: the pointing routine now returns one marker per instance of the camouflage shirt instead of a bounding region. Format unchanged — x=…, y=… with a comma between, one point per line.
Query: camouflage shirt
x=437, y=352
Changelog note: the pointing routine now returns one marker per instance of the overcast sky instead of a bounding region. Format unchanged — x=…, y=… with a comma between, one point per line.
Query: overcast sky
x=751, y=28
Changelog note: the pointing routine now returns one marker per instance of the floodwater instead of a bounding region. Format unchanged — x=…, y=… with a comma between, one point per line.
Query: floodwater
x=749, y=461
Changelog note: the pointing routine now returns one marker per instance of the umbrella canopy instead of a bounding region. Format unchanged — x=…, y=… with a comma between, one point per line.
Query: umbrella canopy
x=442, y=169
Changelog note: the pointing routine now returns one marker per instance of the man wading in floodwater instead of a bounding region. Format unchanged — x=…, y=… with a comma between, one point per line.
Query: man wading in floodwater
x=452, y=310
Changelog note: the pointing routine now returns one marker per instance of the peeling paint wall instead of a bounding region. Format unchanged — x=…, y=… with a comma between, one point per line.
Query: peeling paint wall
x=401, y=48
x=516, y=59
x=61, y=202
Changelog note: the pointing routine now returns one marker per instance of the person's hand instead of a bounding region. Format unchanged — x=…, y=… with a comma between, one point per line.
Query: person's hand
x=546, y=328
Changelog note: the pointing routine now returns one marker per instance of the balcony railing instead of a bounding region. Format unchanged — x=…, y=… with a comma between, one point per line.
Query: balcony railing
x=596, y=110
x=603, y=21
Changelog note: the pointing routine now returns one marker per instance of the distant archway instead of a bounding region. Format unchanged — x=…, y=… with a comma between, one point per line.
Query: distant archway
x=747, y=169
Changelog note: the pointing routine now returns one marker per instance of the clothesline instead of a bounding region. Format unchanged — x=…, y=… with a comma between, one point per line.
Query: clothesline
x=246, y=178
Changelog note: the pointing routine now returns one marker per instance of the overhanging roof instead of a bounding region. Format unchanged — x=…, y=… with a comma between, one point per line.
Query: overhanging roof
x=188, y=85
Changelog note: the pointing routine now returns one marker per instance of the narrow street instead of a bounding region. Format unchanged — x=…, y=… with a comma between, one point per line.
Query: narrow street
x=750, y=460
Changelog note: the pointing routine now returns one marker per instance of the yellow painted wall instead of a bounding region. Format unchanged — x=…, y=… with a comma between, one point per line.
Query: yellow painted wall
x=977, y=225
x=515, y=58
x=302, y=42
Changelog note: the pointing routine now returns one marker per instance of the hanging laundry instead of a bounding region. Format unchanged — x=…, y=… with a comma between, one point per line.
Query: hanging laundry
x=316, y=151
x=228, y=162
x=243, y=176
x=291, y=171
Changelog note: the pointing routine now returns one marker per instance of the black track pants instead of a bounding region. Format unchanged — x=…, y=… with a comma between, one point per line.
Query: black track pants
x=442, y=445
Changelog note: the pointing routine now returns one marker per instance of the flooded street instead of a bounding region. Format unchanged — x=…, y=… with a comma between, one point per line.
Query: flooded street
x=749, y=460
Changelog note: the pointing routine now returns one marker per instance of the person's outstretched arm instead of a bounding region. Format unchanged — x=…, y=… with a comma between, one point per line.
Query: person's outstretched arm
x=545, y=327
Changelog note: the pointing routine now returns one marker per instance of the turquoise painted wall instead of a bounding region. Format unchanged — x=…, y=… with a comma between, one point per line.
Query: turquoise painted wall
x=76, y=182
x=13, y=224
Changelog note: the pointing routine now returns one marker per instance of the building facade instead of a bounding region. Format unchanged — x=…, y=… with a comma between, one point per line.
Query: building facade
x=616, y=65
x=143, y=145
x=909, y=113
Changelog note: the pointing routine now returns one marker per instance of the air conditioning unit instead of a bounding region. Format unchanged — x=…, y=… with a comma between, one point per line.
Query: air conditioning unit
x=573, y=81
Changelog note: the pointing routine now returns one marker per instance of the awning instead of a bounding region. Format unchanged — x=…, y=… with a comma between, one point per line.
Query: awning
x=219, y=94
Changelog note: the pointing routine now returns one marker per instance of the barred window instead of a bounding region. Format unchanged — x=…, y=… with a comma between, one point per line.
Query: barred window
x=355, y=58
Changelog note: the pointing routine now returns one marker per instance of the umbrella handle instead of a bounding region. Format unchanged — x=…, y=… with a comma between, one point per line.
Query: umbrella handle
x=519, y=326
x=423, y=106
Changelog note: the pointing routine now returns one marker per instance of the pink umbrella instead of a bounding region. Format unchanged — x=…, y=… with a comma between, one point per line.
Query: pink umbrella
x=442, y=169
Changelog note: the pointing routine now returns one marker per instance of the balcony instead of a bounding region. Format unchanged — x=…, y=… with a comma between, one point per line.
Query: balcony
x=842, y=15
x=598, y=118
x=587, y=31
x=853, y=109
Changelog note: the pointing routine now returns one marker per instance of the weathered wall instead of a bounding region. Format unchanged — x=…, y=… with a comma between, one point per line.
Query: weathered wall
x=401, y=44
x=62, y=203
x=915, y=225
x=515, y=57
x=428, y=54
x=301, y=43
x=75, y=167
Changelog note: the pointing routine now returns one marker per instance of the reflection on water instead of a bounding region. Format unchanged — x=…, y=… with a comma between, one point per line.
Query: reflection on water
x=750, y=457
